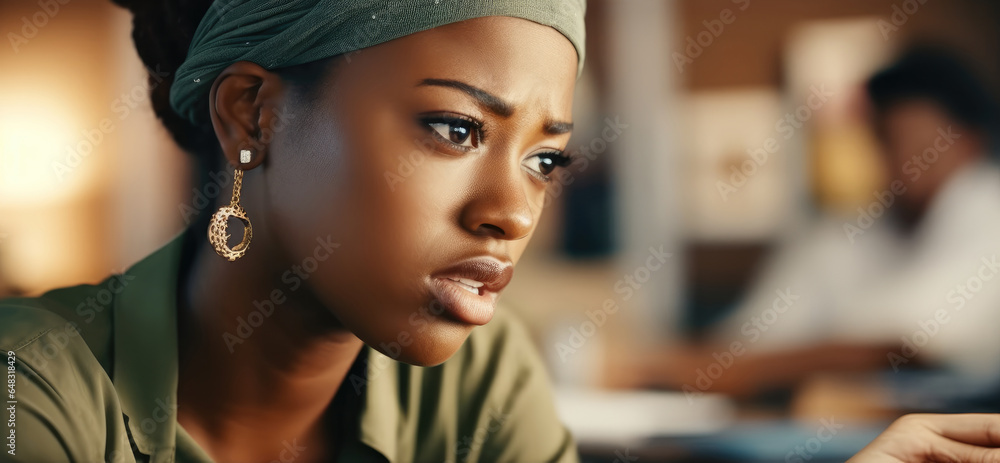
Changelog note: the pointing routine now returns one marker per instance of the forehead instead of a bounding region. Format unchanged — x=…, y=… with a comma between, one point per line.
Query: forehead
x=520, y=61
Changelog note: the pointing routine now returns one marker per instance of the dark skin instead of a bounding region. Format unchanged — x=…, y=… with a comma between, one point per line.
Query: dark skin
x=321, y=175
x=906, y=129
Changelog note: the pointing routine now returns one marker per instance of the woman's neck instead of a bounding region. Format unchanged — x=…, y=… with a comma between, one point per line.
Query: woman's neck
x=259, y=363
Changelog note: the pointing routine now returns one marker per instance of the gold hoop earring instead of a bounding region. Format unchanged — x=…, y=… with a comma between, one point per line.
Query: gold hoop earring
x=220, y=220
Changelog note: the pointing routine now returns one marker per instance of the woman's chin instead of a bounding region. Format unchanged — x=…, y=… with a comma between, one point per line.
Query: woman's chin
x=429, y=348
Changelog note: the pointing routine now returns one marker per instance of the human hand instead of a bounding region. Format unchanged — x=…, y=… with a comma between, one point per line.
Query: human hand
x=928, y=437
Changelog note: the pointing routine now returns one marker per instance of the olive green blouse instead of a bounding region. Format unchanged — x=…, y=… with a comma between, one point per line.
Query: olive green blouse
x=95, y=379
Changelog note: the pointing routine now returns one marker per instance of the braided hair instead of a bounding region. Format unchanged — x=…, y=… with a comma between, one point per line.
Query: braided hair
x=162, y=32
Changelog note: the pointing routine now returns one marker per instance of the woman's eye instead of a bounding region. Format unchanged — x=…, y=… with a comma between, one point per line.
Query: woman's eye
x=462, y=132
x=545, y=163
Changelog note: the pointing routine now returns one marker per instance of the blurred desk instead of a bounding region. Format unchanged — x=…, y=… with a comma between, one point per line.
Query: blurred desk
x=750, y=441
x=623, y=426
x=653, y=426
x=622, y=418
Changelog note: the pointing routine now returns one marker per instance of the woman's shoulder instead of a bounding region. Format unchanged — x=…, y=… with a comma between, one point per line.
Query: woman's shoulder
x=57, y=357
x=42, y=327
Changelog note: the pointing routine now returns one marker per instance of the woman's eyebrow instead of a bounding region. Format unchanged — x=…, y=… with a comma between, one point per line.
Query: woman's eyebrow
x=558, y=127
x=492, y=102
x=495, y=104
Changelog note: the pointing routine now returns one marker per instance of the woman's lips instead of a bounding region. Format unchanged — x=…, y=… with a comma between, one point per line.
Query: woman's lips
x=469, y=290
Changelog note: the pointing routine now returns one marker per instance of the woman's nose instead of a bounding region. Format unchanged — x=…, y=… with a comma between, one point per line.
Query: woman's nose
x=498, y=206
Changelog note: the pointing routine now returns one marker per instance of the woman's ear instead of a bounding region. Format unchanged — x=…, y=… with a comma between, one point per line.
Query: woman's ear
x=242, y=105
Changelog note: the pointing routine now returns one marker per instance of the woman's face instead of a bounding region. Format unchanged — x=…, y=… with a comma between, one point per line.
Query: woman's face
x=426, y=159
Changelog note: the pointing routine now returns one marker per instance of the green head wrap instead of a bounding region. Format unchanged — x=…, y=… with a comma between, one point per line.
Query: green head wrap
x=280, y=33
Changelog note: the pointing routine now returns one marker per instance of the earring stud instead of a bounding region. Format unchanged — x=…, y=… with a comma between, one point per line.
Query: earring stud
x=244, y=156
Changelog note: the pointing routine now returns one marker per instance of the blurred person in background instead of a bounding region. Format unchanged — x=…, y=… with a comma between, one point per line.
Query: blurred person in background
x=910, y=278
x=925, y=264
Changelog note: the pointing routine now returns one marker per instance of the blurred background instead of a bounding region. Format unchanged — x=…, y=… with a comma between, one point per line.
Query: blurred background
x=765, y=256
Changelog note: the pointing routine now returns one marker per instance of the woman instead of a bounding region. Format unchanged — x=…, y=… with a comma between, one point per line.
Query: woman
x=391, y=159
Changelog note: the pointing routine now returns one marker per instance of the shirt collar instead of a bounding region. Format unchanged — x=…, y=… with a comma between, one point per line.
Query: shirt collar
x=381, y=414
x=145, y=349
x=145, y=365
